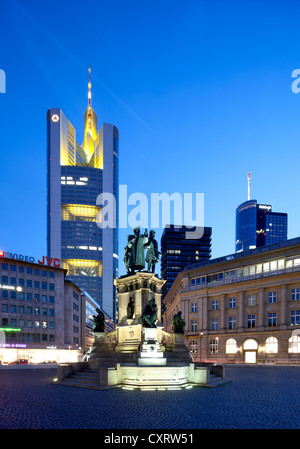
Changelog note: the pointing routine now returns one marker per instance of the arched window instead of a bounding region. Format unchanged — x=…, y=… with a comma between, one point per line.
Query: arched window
x=231, y=346
x=271, y=345
x=250, y=344
x=294, y=344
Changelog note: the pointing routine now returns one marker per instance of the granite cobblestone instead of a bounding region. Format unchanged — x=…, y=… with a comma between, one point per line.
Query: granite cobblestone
x=258, y=397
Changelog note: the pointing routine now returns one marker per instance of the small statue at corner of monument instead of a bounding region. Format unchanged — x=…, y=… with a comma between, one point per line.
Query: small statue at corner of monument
x=130, y=308
x=99, y=321
x=134, y=259
x=178, y=323
x=152, y=256
x=149, y=316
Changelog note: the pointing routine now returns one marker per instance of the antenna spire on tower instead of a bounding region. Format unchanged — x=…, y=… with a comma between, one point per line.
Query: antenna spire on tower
x=90, y=86
x=248, y=186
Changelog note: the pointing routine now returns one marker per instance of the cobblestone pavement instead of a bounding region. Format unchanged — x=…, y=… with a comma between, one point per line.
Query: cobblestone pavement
x=258, y=397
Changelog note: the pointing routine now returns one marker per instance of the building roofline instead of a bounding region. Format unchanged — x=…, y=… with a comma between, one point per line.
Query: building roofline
x=249, y=252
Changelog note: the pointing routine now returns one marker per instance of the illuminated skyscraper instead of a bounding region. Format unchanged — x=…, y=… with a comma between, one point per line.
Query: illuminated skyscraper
x=257, y=225
x=76, y=175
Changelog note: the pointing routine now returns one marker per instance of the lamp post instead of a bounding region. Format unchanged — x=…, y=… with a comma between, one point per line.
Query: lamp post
x=201, y=333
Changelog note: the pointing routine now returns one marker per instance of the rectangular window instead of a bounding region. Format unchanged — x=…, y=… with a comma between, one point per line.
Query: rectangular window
x=13, y=281
x=295, y=317
x=232, y=303
x=36, y=272
x=215, y=324
x=251, y=300
x=272, y=297
x=28, y=283
x=36, y=284
x=232, y=322
x=194, y=307
x=271, y=319
x=295, y=294
x=51, y=287
x=194, y=326
x=29, y=296
x=21, y=282
x=251, y=321
x=215, y=305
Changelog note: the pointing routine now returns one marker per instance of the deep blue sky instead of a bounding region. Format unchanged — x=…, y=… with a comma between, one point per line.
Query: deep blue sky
x=200, y=92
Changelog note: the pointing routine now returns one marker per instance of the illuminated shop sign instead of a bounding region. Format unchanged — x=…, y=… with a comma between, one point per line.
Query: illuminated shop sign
x=13, y=345
x=10, y=329
x=10, y=287
x=17, y=256
x=50, y=261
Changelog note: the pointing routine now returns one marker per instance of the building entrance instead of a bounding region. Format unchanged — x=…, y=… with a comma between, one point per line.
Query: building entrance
x=250, y=350
x=250, y=356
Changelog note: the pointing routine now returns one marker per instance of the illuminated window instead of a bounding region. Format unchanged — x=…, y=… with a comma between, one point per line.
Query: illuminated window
x=271, y=345
x=78, y=212
x=194, y=347
x=231, y=347
x=80, y=267
x=294, y=344
x=213, y=346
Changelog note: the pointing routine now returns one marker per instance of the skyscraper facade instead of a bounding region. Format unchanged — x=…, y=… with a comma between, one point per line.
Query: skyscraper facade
x=179, y=251
x=76, y=175
x=257, y=225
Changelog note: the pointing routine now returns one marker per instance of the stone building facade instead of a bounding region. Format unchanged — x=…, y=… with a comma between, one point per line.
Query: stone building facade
x=242, y=308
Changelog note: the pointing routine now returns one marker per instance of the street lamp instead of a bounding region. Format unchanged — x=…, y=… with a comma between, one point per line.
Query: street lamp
x=201, y=333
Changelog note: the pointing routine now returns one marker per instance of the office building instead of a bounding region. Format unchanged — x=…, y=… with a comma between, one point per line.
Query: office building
x=241, y=308
x=39, y=315
x=178, y=251
x=76, y=175
x=257, y=225
x=43, y=316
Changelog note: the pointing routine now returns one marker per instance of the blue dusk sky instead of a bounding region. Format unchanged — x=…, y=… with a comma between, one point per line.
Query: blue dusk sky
x=200, y=91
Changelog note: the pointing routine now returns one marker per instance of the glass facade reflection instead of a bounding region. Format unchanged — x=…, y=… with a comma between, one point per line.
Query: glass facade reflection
x=257, y=225
x=76, y=176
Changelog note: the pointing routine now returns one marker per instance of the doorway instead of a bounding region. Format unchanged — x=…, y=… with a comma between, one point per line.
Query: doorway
x=250, y=356
x=250, y=347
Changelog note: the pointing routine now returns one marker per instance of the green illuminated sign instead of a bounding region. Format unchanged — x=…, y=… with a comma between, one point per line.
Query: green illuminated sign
x=10, y=329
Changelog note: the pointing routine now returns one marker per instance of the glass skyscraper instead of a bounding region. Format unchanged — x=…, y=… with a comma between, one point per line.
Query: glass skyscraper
x=76, y=175
x=179, y=251
x=257, y=225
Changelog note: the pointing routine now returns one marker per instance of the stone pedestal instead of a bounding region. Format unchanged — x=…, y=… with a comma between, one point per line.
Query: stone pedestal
x=141, y=286
x=151, y=353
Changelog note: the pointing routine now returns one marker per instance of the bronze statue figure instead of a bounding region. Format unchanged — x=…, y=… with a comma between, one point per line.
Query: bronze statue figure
x=149, y=316
x=152, y=256
x=130, y=308
x=134, y=258
x=178, y=323
x=99, y=321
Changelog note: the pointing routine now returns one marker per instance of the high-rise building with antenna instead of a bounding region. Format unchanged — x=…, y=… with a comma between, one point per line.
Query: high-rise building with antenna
x=256, y=225
x=76, y=175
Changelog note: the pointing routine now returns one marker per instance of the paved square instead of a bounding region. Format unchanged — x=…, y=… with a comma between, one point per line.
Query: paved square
x=258, y=397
